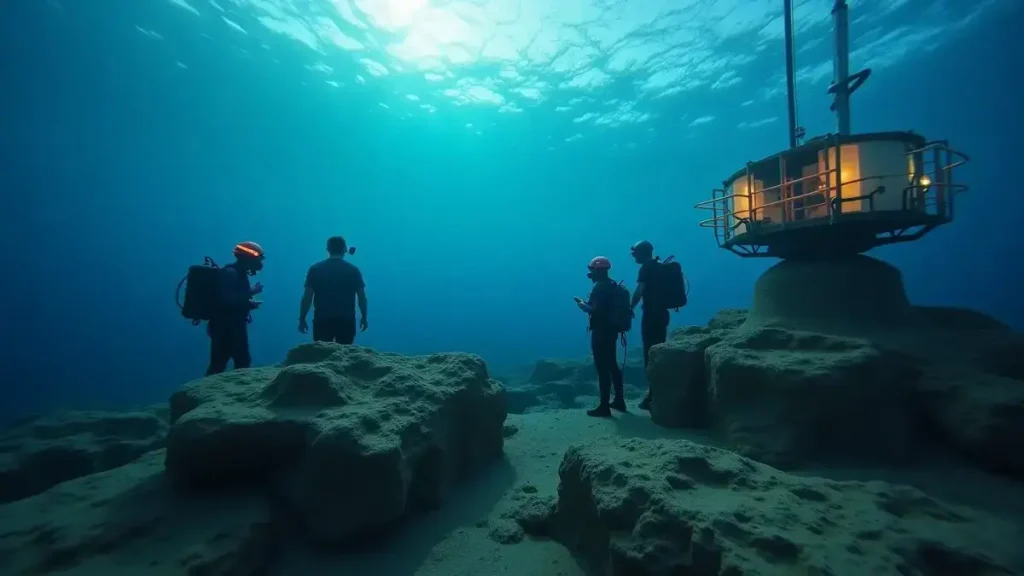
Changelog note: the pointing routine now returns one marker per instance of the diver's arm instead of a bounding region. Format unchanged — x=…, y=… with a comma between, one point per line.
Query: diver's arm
x=637, y=295
x=361, y=297
x=597, y=302
x=307, y=302
x=360, y=286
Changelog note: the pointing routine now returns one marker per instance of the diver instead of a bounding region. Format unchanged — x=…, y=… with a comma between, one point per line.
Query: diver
x=605, y=327
x=655, y=319
x=228, y=326
x=332, y=288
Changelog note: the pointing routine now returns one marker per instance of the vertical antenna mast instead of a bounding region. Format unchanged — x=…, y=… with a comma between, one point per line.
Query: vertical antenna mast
x=787, y=18
x=841, y=67
x=843, y=84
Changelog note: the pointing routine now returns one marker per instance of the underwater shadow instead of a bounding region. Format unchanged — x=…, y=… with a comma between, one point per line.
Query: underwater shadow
x=404, y=549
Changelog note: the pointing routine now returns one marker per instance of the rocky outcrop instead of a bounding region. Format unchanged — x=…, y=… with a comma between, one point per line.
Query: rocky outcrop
x=659, y=507
x=556, y=395
x=679, y=378
x=980, y=415
x=349, y=439
x=678, y=373
x=944, y=377
x=127, y=520
x=525, y=513
x=41, y=452
x=556, y=384
x=581, y=377
x=1004, y=357
x=727, y=319
x=550, y=370
x=790, y=398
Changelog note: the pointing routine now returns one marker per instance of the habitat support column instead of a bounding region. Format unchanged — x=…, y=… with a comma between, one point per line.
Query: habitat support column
x=841, y=67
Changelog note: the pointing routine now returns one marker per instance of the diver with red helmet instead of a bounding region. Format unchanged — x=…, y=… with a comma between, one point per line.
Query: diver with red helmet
x=228, y=326
x=604, y=334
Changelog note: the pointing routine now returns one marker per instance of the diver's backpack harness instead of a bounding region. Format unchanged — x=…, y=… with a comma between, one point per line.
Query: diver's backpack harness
x=671, y=289
x=202, y=292
x=621, y=315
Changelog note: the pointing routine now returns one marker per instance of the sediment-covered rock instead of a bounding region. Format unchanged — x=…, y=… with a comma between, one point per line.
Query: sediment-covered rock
x=567, y=379
x=556, y=384
x=679, y=378
x=41, y=452
x=659, y=508
x=980, y=415
x=351, y=439
x=728, y=319
x=678, y=374
x=552, y=370
x=954, y=379
x=538, y=398
x=1004, y=358
x=835, y=371
x=127, y=520
x=786, y=397
x=525, y=513
x=523, y=399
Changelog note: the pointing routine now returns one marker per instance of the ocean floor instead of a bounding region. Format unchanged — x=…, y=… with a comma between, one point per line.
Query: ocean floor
x=289, y=469
x=469, y=535
x=459, y=538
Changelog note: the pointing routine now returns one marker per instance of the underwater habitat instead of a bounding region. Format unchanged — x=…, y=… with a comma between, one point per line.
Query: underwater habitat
x=511, y=287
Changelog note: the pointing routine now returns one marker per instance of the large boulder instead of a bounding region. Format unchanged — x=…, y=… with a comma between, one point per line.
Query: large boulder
x=971, y=395
x=1004, y=357
x=980, y=415
x=679, y=378
x=631, y=507
x=567, y=379
x=44, y=451
x=349, y=438
x=787, y=398
x=554, y=370
x=678, y=374
x=828, y=373
x=127, y=520
x=961, y=370
x=528, y=398
x=728, y=319
x=523, y=399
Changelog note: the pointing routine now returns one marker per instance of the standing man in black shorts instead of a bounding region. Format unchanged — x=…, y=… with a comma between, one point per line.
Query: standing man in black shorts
x=332, y=288
x=655, y=320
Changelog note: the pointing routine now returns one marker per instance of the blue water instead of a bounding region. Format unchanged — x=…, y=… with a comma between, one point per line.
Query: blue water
x=478, y=154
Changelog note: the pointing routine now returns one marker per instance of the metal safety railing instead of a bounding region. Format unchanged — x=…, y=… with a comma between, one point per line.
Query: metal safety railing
x=930, y=186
